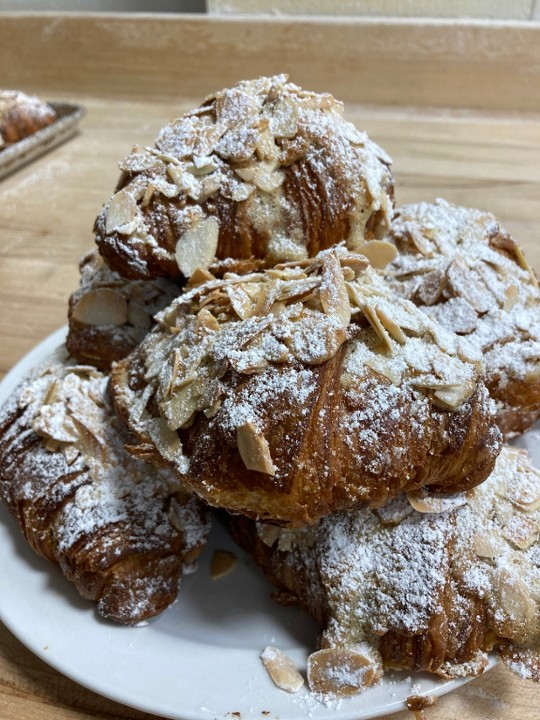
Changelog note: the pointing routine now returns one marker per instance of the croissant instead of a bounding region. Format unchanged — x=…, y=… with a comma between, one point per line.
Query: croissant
x=108, y=315
x=119, y=530
x=291, y=393
x=432, y=584
x=22, y=115
x=263, y=169
x=467, y=273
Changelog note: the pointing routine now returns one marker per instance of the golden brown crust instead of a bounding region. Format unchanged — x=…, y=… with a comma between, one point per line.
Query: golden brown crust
x=462, y=268
x=299, y=409
x=22, y=115
x=277, y=170
x=119, y=530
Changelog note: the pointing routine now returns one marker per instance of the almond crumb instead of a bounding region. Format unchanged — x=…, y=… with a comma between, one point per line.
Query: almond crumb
x=223, y=562
x=281, y=669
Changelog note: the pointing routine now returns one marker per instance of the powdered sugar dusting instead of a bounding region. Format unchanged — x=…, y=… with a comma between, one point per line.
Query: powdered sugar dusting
x=94, y=498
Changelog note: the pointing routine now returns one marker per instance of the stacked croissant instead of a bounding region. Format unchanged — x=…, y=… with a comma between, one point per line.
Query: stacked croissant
x=262, y=331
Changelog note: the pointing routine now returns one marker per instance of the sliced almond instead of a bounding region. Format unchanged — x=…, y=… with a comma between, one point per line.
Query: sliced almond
x=254, y=449
x=455, y=395
x=101, y=306
x=511, y=296
x=333, y=291
x=166, y=440
x=514, y=610
x=378, y=252
x=281, y=669
x=197, y=247
x=266, y=147
x=467, y=284
x=223, y=562
x=240, y=301
x=268, y=181
x=199, y=276
x=284, y=120
x=121, y=211
x=431, y=287
x=486, y=546
x=523, y=262
x=206, y=321
x=180, y=407
x=376, y=324
x=390, y=325
x=521, y=530
x=423, y=502
x=342, y=671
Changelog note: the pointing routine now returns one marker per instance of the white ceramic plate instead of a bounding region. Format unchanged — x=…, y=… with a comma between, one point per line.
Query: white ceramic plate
x=200, y=659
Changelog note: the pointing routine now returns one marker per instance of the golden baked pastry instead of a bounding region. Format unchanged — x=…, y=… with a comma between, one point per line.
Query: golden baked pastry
x=120, y=530
x=303, y=389
x=467, y=273
x=22, y=115
x=108, y=315
x=263, y=169
x=431, y=584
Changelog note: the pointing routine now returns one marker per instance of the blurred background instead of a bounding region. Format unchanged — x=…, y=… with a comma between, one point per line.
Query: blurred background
x=489, y=9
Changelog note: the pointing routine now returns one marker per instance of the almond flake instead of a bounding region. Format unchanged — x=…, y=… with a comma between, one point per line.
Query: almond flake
x=455, y=395
x=342, y=671
x=423, y=502
x=511, y=296
x=223, y=562
x=197, y=247
x=180, y=407
x=376, y=324
x=284, y=120
x=254, y=449
x=281, y=669
x=390, y=325
x=378, y=252
x=240, y=301
x=101, y=306
x=121, y=211
x=333, y=291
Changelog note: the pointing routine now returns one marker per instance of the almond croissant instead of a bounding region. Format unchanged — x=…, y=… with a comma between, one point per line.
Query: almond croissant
x=434, y=590
x=263, y=169
x=467, y=273
x=120, y=530
x=108, y=315
x=310, y=387
x=22, y=115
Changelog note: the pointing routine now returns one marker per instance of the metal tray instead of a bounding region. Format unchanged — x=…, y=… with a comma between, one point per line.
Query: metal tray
x=20, y=153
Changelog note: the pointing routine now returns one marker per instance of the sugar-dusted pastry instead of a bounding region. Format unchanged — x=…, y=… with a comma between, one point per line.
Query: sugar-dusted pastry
x=22, y=115
x=263, y=169
x=119, y=529
x=291, y=393
x=467, y=273
x=108, y=315
x=428, y=583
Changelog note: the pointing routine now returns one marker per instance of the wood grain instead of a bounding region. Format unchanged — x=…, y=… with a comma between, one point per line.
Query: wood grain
x=47, y=210
x=482, y=64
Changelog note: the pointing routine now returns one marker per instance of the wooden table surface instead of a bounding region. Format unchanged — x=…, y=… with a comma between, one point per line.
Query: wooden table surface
x=46, y=215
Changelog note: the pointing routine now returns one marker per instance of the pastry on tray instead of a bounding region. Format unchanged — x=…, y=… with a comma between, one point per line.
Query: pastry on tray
x=291, y=393
x=424, y=583
x=263, y=169
x=470, y=275
x=22, y=115
x=119, y=529
x=108, y=315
